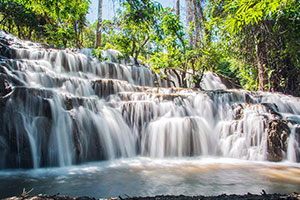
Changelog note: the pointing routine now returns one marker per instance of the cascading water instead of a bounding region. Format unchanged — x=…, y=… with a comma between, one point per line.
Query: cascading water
x=60, y=108
x=293, y=145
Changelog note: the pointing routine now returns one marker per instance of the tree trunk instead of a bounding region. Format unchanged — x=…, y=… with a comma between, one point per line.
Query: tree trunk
x=99, y=25
x=29, y=34
x=19, y=32
x=178, y=78
x=190, y=17
x=177, y=7
x=3, y=20
x=197, y=24
x=133, y=48
x=148, y=51
x=203, y=19
x=183, y=76
x=262, y=74
x=137, y=53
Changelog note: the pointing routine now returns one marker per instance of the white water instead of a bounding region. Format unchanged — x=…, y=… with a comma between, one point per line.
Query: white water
x=293, y=145
x=67, y=108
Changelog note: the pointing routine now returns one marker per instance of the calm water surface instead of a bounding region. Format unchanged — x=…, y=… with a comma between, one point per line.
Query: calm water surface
x=145, y=176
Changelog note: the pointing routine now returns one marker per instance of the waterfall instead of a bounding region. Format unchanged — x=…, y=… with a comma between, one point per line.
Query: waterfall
x=61, y=107
x=293, y=146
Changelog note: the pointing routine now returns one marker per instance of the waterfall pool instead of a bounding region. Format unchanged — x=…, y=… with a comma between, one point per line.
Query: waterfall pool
x=141, y=176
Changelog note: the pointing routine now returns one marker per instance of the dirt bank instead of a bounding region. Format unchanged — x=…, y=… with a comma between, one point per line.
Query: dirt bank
x=262, y=196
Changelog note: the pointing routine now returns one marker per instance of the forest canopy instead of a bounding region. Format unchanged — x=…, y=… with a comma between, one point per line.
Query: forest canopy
x=254, y=42
x=60, y=23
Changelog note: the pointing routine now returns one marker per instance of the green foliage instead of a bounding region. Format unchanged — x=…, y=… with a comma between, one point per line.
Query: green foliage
x=88, y=36
x=170, y=43
x=144, y=28
x=19, y=18
x=133, y=28
x=260, y=33
x=57, y=22
x=256, y=42
x=244, y=12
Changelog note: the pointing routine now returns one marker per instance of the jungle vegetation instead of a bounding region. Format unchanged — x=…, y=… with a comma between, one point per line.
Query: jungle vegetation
x=255, y=42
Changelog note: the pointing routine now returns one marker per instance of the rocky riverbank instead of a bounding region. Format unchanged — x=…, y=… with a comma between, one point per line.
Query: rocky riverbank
x=249, y=196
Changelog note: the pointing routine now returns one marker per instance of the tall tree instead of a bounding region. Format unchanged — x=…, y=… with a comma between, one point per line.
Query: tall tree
x=135, y=26
x=177, y=7
x=190, y=20
x=99, y=25
x=264, y=35
x=197, y=22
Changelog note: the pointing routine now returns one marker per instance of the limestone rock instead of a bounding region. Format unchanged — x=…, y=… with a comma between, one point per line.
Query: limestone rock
x=230, y=83
x=278, y=132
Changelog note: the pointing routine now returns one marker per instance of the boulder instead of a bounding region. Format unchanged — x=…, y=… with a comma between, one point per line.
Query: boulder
x=277, y=139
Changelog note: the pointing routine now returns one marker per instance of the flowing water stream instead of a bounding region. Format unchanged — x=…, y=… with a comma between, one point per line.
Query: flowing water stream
x=86, y=127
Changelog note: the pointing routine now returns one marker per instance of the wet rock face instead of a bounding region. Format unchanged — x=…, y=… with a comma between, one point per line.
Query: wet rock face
x=230, y=83
x=5, y=50
x=4, y=90
x=277, y=139
x=238, y=111
x=5, y=87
